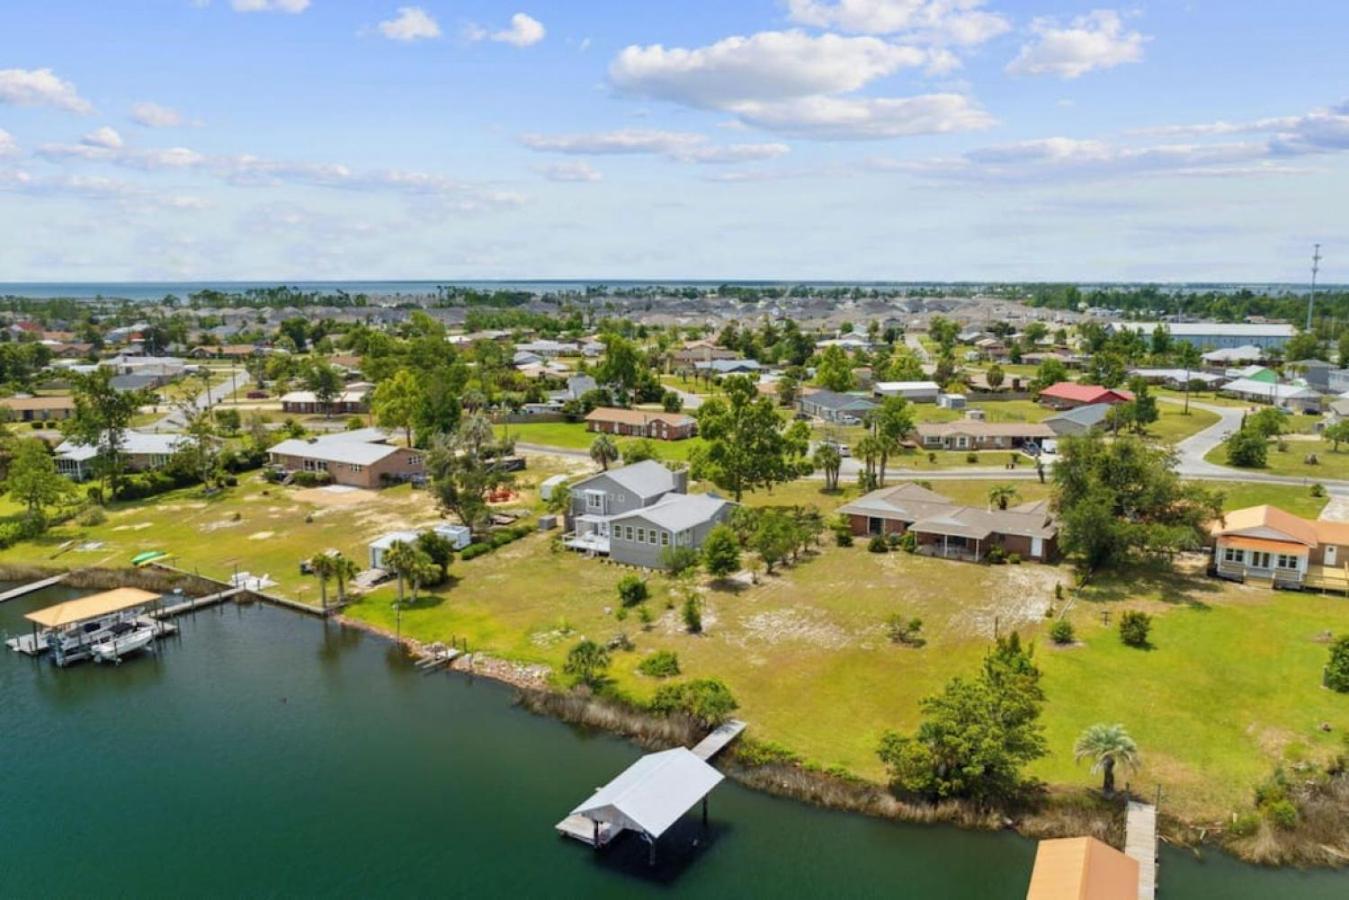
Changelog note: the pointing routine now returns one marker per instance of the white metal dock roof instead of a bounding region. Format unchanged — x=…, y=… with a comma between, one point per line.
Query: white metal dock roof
x=651, y=794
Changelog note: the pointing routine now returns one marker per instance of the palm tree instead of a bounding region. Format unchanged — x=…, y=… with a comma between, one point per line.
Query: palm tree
x=1000, y=495
x=1107, y=746
x=322, y=564
x=344, y=569
x=604, y=451
x=401, y=557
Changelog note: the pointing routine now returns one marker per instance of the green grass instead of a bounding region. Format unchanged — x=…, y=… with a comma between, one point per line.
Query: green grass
x=1173, y=426
x=1230, y=689
x=1293, y=460
x=573, y=436
x=1296, y=500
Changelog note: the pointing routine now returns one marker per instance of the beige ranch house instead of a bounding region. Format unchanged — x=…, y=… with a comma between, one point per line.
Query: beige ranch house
x=1268, y=545
x=363, y=459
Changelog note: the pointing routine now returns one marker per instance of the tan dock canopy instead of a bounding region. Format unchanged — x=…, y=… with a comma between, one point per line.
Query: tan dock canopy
x=91, y=607
x=1082, y=868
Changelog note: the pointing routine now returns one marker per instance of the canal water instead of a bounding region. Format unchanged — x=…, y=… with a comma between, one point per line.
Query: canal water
x=261, y=752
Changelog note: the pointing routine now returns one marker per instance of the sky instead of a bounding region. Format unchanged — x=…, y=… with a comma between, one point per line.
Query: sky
x=1002, y=140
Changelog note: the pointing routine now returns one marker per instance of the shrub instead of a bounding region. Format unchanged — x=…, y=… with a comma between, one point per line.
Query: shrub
x=693, y=615
x=843, y=537
x=752, y=753
x=473, y=551
x=1282, y=813
x=1061, y=632
x=932, y=458
x=705, y=699
x=721, y=551
x=661, y=664
x=1318, y=490
x=644, y=616
x=1336, y=674
x=500, y=539
x=892, y=540
x=908, y=542
x=996, y=555
x=905, y=631
x=678, y=560
x=877, y=544
x=1134, y=628
x=92, y=516
x=1014, y=558
x=1244, y=825
x=632, y=590
x=971, y=457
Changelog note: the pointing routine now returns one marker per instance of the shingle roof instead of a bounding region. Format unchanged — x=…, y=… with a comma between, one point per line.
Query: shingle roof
x=1084, y=393
x=638, y=417
x=1090, y=415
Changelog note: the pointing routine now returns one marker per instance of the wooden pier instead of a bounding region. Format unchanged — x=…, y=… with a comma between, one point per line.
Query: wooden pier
x=1140, y=844
x=33, y=586
x=722, y=735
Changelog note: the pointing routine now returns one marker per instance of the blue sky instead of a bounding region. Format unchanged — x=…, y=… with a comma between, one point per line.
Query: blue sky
x=850, y=139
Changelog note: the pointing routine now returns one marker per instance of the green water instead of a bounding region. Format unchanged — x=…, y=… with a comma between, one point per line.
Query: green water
x=266, y=753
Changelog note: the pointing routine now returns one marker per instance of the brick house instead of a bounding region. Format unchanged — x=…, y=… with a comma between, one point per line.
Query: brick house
x=662, y=426
x=363, y=459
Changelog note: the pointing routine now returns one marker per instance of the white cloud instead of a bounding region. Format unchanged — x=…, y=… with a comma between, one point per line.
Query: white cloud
x=411, y=24
x=790, y=82
x=1097, y=40
x=962, y=22
x=682, y=146
x=279, y=6
x=571, y=171
x=129, y=196
x=1319, y=131
x=770, y=65
x=40, y=87
x=8, y=146
x=524, y=31
x=866, y=118
x=153, y=115
x=106, y=137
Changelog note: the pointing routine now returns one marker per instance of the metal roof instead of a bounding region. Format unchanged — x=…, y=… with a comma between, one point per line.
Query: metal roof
x=647, y=478
x=92, y=607
x=651, y=794
x=333, y=449
x=678, y=511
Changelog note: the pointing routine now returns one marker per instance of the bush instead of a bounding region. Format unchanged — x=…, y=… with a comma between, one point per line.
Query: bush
x=932, y=458
x=1134, y=628
x=908, y=542
x=1014, y=558
x=892, y=540
x=843, y=537
x=1282, y=813
x=996, y=555
x=905, y=631
x=632, y=590
x=1336, y=674
x=93, y=516
x=312, y=479
x=661, y=664
x=693, y=615
x=971, y=457
x=705, y=699
x=1061, y=632
x=1244, y=825
x=878, y=544
x=752, y=753
x=1318, y=490
x=473, y=551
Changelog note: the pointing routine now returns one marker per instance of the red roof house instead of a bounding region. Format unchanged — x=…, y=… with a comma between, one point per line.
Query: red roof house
x=1066, y=395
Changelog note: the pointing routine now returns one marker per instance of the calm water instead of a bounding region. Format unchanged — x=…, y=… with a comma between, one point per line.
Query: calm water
x=266, y=753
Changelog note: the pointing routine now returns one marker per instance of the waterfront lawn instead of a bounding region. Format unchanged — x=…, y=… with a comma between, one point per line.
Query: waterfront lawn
x=1230, y=689
x=1293, y=460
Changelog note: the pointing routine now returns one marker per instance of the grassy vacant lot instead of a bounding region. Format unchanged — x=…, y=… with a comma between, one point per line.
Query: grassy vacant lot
x=1230, y=687
x=1293, y=460
x=1296, y=500
x=573, y=436
x=1173, y=425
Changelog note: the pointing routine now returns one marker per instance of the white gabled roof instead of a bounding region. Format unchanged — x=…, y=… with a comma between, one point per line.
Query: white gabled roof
x=676, y=512
x=133, y=442
x=652, y=793
x=356, y=453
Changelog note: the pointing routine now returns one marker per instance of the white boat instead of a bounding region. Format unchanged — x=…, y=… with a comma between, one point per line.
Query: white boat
x=126, y=638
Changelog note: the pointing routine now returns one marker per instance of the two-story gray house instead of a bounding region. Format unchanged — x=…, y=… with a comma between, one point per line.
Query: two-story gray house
x=635, y=513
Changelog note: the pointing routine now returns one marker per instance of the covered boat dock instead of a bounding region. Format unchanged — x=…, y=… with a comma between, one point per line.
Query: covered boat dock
x=72, y=621
x=648, y=797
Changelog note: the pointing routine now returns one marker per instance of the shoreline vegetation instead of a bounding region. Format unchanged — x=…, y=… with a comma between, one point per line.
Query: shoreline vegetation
x=1044, y=811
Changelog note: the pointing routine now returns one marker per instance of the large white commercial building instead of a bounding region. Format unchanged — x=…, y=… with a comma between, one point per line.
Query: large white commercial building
x=1211, y=335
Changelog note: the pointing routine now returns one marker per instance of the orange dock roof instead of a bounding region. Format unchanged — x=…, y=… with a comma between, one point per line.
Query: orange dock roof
x=1082, y=868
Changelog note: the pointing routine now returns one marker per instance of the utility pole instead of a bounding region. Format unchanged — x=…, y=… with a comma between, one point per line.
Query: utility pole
x=1316, y=267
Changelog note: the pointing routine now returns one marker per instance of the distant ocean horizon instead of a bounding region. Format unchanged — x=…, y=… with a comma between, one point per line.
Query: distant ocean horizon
x=145, y=291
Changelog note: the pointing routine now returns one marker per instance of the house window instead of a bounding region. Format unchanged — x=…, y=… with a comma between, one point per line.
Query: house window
x=651, y=536
x=353, y=467
x=1287, y=561
x=627, y=532
x=594, y=500
x=1260, y=560
x=1233, y=555
x=415, y=459
x=665, y=538
x=641, y=535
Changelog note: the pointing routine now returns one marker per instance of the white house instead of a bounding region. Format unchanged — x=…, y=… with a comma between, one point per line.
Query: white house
x=913, y=391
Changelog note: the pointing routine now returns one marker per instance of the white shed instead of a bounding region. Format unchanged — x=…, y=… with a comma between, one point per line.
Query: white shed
x=551, y=484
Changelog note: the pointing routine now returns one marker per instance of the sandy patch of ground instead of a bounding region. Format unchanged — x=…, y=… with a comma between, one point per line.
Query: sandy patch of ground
x=1021, y=595
x=810, y=626
x=261, y=535
x=137, y=527
x=216, y=526
x=323, y=497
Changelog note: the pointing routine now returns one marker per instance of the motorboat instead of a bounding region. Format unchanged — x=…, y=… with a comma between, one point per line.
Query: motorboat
x=125, y=638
